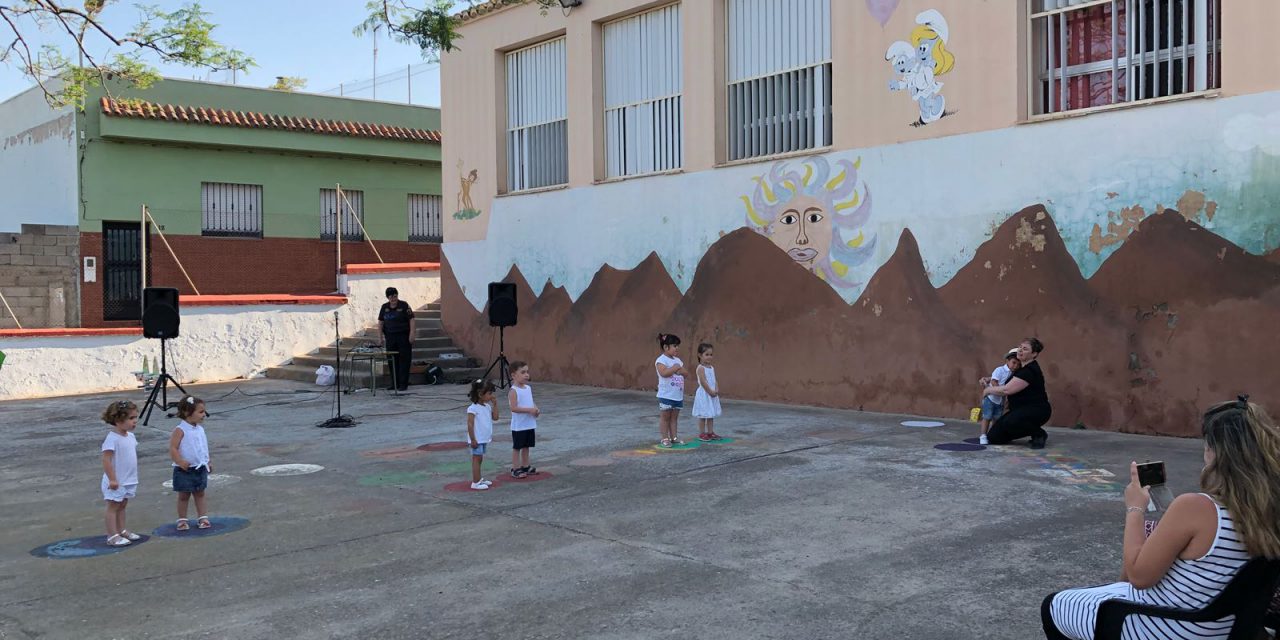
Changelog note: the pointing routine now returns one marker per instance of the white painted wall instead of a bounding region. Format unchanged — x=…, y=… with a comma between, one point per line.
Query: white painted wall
x=37, y=162
x=216, y=343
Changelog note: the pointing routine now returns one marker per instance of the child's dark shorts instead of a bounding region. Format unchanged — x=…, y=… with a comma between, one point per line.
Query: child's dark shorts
x=191, y=481
x=523, y=439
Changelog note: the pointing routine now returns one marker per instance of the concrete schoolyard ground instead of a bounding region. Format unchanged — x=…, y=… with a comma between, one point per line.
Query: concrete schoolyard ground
x=811, y=523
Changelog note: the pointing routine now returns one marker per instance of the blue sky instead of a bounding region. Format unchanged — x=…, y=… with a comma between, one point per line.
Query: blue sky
x=309, y=39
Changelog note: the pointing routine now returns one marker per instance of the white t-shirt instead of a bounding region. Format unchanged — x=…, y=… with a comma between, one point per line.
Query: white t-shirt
x=998, y=377
x=194, y=447
x=484, y=422
x=672, y=386
x=524, y=398
x=126, y=449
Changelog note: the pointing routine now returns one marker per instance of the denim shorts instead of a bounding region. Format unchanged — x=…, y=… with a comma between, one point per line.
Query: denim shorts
x=191, y=481
x=991, y=410
x=670, y=405
x=479, y=451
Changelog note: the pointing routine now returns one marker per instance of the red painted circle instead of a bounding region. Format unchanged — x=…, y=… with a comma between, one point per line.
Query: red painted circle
x=464, y=487
x=443, y=446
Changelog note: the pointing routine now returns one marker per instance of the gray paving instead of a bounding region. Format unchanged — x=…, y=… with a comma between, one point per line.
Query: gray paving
x=813, y=523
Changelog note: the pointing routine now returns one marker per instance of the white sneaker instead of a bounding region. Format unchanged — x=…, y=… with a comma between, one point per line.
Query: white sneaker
x=982, y=439
x=479, y=486
x=485, y=482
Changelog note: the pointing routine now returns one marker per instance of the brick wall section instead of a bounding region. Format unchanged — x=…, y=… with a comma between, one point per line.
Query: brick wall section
x=39, y=273
x=245, y=265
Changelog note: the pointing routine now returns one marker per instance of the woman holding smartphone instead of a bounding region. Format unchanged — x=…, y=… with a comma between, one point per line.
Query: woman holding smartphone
x=1203, y=538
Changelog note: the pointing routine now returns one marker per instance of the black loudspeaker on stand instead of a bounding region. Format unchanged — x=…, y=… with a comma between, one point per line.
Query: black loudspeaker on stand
x=160, y=320
x=503, y=312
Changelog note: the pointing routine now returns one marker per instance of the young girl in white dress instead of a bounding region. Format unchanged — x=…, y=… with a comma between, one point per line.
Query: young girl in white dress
x=706, y=401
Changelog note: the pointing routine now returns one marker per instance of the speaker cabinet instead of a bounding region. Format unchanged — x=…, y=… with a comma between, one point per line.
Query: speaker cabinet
x=160, y=318
x=502, y=304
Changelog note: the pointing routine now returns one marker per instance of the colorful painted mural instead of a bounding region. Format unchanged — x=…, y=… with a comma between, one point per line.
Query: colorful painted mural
x=466, y=208
x=882, y=10
x=815, y=217
x=1130, y=267
x=920, y=62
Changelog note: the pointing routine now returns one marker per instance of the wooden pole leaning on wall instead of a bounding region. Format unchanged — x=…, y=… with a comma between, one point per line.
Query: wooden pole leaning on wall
x=10, y=309
x=337, y=235
x=176, y=259
x=143, y=239
x=360, y=223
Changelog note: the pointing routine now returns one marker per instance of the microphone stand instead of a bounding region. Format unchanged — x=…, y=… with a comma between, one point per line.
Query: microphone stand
x=339, y=420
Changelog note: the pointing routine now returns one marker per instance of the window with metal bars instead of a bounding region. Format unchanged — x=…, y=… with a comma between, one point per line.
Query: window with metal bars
x=1095, y=53
x=424, y=218
x=231, y=210
x=352, y=206
x=642, y=87
x=779, y=76
x=537, y=117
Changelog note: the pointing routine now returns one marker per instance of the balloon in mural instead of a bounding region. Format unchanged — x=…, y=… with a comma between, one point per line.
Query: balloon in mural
x=882, y=10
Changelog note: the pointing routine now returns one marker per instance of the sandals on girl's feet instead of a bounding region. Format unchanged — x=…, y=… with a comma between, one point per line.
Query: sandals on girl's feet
x=713, y=436
x=125, y=533
x=705, y=437
x=676, y=441
x=665, y=444
x=203, y=522
x=518, y=473
x=182, y=525
x=530, y=471
x=118, y=541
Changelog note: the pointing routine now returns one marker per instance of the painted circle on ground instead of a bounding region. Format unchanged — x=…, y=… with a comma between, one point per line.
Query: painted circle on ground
x=692, y=444
x=959, y=446
x=633, y=453
x=463, y=486
x=86, y=547
x=215, y=480
x=220, y=525
x=287, y=470
x=923, y=424
x=444, y=446
x=591, y=462
x=718, y=441
x=393, y=479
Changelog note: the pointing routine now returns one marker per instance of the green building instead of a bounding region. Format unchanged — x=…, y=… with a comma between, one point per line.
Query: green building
x=244, y=184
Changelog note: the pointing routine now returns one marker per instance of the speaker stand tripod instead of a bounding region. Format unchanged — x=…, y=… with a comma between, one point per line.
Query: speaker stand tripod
x=501, y=362
x=160, y=387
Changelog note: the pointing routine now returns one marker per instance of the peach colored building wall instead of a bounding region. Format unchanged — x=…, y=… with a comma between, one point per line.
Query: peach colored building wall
x=985, y=90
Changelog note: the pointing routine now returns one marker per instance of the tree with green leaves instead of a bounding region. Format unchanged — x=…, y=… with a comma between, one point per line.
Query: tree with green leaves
x=54, y=43
x=431, y=27
x=289, y=83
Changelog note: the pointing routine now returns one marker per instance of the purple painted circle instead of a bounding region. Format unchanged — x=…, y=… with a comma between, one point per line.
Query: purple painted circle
x=959, y=446
x=443, y=446
x=220, y=525
x=82, y=548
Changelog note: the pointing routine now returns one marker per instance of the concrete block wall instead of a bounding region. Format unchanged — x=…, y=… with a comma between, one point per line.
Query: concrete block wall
x=39, y=276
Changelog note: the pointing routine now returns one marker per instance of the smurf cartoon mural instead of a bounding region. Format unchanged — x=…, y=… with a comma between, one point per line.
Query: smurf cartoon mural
x=919, y=62
x=817, y=218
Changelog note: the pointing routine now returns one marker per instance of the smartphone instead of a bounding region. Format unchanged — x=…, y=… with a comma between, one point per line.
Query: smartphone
x=1151, y=474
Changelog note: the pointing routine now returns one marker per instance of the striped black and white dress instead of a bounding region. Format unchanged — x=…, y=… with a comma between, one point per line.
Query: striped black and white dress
x=1189, y=584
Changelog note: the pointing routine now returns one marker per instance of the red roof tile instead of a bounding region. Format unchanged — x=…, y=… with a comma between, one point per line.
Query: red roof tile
x=254, y=120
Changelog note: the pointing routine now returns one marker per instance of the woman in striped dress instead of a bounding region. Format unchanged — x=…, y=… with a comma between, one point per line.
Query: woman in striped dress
x=1203, y=539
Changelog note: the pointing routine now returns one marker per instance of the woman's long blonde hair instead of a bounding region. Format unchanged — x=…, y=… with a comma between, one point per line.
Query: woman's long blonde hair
x=1245, y=472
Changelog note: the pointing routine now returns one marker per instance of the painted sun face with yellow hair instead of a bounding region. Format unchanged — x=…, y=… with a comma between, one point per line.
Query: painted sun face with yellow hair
x=815, y=217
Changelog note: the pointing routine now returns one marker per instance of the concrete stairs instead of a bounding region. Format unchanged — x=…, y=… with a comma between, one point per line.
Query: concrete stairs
x=430, y=345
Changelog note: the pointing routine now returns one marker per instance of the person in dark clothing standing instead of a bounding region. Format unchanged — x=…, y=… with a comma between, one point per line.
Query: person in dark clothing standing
x=1029, y=407
x=396, y=325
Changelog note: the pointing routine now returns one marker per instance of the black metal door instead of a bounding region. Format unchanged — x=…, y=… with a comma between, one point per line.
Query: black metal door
x=122, y=270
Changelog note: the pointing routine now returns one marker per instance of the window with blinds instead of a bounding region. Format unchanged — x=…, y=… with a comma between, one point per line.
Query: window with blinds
x=779, y=76
x=642, y=86
x=424, y=218
x=537, y=117
x=231, y=210
x=1095, y=53
x=352, y=206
